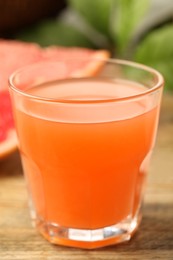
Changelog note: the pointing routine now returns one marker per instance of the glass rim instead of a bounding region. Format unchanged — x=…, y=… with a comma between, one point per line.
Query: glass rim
x=159, y=84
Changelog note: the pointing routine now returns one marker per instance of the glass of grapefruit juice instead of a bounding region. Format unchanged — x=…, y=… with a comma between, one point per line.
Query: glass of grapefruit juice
x=85, y=140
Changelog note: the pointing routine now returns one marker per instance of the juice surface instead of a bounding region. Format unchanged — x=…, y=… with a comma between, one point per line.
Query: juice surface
x=86, y=166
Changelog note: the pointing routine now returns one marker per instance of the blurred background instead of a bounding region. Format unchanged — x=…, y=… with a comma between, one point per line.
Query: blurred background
x=131, y=29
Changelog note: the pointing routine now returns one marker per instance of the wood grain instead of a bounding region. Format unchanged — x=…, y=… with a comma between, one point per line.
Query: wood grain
x=154, y=239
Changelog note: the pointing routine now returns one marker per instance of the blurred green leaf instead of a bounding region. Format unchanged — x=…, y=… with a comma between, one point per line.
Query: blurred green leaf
x=52, y=32
x=95, y=12
x=125, y=19
x=72, y=18
x=156, y=50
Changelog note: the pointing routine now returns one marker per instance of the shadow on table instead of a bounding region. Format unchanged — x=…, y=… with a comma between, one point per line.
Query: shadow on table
x=10, y=165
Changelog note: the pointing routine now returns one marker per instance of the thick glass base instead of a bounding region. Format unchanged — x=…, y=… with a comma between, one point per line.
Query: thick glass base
x=89, y=239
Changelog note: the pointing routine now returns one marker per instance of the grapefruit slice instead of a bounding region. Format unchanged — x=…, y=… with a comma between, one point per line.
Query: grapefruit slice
x=79, y=62
x=14, y=55
x=8, y=140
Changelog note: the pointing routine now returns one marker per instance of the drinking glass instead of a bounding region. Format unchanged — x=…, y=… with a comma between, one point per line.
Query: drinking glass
x=85, y=139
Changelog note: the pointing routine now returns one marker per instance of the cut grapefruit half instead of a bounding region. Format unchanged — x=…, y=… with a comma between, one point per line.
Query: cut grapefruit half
x=14, y=55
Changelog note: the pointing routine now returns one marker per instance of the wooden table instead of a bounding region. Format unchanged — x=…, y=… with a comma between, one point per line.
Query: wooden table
x=154, y=240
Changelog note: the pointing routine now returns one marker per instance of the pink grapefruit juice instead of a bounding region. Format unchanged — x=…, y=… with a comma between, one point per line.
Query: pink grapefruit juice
x=85, y=162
